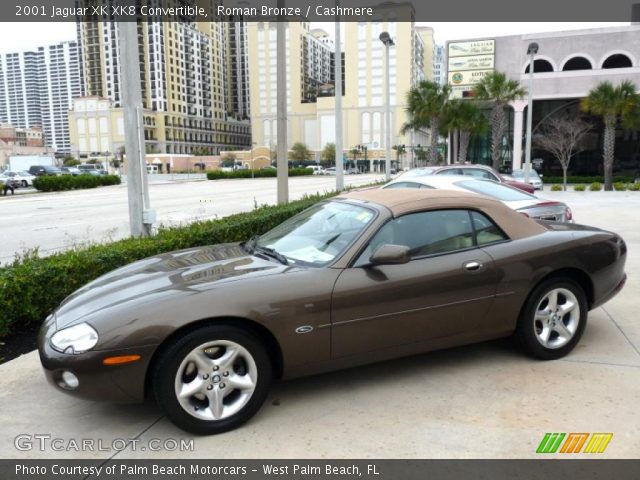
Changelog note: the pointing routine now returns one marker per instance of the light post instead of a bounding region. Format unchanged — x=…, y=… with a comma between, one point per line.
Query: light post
x=531, y=51
x=386, y=39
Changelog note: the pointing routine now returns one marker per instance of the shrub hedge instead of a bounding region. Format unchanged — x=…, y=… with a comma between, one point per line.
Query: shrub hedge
x=595, y=187
x=577, y=179
x=579, y=188
x=267, y=172
x=556, y=187
x=634, y=187
x=32, y=286
x=73, y=182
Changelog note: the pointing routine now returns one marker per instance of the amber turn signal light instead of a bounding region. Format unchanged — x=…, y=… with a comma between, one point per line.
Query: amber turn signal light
x=119, y=360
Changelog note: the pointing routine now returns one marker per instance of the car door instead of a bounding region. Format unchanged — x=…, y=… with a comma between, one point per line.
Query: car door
x=445, y=289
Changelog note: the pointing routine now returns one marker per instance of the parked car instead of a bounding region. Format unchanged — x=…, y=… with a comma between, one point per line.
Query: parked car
x=330, y=171
x=20, y=179
x=39, y=170
x=522, y=202
x=317, y=169
x=476, y=171
x=92, y=168
x=71, y=170
x=534, y=179
x=366, y=276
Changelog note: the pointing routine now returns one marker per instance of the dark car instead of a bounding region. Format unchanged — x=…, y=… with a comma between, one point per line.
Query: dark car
x=39, y=170
x=365, y=276
x=476, y=171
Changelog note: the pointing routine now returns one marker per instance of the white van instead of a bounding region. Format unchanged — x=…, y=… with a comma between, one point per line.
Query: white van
x=317, y=169
x=152, y=169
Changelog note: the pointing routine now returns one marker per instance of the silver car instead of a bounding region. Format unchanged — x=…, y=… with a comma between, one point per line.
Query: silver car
x=522, y=202
x=534, y=179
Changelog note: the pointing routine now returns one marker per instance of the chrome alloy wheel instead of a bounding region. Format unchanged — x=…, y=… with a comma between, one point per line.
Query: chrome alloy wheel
x=216, y=380
x=557, y=318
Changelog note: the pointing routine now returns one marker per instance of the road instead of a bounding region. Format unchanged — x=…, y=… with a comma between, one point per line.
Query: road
x=58, y=220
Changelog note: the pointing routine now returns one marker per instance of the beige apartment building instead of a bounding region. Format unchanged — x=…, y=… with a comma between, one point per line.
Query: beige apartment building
x=193, y=81
x=312, y=120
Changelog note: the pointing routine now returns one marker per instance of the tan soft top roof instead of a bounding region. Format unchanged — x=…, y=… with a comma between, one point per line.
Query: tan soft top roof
x=401, y=201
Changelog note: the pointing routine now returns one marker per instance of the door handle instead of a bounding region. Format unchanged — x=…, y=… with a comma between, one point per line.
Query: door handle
x=472, y=266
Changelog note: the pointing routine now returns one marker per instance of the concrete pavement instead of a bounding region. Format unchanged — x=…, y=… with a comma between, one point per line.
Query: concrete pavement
x=480, y=401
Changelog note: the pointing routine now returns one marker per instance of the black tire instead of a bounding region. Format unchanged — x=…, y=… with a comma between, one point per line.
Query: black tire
x=170, y=360
x=527, y=327
x=25, y=184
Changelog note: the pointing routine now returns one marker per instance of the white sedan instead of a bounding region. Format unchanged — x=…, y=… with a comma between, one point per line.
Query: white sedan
x=22, y=179
x=525, y=203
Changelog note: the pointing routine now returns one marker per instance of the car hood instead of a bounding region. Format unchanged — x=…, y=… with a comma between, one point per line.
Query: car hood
x=185, y=271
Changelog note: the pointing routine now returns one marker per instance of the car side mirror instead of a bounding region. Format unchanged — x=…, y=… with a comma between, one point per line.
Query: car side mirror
x=388, y=254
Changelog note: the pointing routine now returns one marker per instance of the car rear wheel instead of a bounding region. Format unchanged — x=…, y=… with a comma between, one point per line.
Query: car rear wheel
x=212, y=379
x=24, y=183
x=553, y=319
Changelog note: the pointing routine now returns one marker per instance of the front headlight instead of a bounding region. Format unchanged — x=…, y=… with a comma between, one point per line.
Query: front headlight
x=77, y=339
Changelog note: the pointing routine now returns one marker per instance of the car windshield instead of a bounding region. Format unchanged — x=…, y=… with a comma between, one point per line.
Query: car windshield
x=520, y=174
x=418, y=172
x=495, y=190
x=318, y=235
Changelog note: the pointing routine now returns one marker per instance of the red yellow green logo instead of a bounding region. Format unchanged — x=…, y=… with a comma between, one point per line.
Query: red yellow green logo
x=574, y=442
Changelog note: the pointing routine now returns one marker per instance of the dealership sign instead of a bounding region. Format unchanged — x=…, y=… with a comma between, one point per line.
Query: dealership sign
x=469, y=77
x=465, y=49
x=467, y=63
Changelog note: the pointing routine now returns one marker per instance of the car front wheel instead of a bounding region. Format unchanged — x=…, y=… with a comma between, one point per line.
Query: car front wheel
x=553, y=319
x=212, y=379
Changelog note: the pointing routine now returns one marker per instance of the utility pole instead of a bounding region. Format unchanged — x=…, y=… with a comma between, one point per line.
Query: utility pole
x=386, y=39
x=338, y=97
x=531, y=51
x=141, y=217
x=282, y=161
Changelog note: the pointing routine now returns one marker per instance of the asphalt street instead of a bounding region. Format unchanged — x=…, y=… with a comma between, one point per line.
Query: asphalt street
x=58, y=220
x=481, y=401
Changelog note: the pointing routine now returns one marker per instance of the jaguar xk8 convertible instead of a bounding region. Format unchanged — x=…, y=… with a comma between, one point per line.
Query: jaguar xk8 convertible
x=363, y=277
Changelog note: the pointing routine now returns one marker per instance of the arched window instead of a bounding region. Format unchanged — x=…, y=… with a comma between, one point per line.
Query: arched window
x=577, y=63
x=540, y=66
x=617, y=60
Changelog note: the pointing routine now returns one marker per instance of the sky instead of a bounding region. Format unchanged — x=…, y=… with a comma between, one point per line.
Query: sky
x=16, y=37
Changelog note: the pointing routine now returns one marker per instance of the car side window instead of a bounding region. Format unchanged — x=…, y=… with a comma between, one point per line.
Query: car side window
x=479, y=173
x=486, y=231
x=450, y=171
x=425, y=233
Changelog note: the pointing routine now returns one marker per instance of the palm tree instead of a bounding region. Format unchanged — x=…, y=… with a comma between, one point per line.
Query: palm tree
x=464, y=119
x=612, y=103
x=499, y=90
x=425, y=107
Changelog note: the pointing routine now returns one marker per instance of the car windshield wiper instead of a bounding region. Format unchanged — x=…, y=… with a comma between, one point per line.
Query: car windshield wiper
x=272, y=253
x=250, y=245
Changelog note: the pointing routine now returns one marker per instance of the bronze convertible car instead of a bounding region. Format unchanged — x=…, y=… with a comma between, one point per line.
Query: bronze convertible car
x=363, y=277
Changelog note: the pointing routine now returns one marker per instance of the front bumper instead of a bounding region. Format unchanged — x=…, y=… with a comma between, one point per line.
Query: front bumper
x=117, y=383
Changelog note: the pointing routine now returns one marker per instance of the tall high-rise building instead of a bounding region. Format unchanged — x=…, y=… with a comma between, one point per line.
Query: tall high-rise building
x=439, y=70
x=36, y=90
x=311, y=120
x=186, y=73
x=59, y=83
x=19, y=92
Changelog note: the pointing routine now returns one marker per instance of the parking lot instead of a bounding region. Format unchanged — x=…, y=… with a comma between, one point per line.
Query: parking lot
x=480, y=401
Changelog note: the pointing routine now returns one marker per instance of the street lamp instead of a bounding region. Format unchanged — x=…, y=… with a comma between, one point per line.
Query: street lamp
x=531, y=51
x=387, y=41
